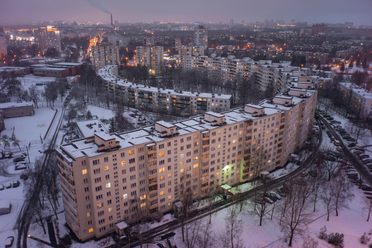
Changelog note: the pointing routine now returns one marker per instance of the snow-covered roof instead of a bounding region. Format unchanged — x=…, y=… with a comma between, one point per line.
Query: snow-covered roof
x=357, y=90
x=149, y=135
x=6, y=105
x=107, y=74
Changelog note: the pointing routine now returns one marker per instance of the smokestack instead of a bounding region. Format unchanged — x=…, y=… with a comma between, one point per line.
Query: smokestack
x=112, y=22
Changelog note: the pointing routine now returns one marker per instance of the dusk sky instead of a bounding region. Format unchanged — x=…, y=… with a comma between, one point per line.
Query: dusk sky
x=27, y=11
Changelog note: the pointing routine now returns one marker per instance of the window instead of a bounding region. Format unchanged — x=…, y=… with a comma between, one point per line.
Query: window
x=106, y=168
x=108, y=185
x=131, y=152
x=122, y=163
x=90, y=230
x=125, y=196
x=84, y=171
x=161, y=154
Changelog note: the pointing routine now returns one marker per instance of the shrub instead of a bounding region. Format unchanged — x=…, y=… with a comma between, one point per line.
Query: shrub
x=323, y=233
x=336, y=239
x=364, y=239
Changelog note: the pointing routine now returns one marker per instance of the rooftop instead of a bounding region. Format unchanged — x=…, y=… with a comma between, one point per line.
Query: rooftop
x=106, y=73
x=149, y=135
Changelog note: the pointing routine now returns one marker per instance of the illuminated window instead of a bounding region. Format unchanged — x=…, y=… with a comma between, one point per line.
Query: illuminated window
x=84, y=171
x=182, y=170
x=162, y=178
x=161, y=170
x=233, y=141
x=195, y=165
x=131, y=152
x=108, y=185
x=123, y=163
x=169, y=197
x=109, y=210
x=90, y=230
x=88, y=214
x=161, y=193
x=106, y=168
x=143, y=205
x=125, y=196
x=161, y=154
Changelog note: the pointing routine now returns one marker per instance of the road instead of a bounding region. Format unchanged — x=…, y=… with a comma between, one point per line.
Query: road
x=204, y=212
x=355, y=161
x=25, y=216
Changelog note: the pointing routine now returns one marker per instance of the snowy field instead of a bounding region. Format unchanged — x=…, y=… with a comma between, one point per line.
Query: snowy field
x=101, y=113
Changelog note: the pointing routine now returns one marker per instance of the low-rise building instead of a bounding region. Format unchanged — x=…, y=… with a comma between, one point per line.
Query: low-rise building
x=16, y=109
x=359, y=99
x=162, y=100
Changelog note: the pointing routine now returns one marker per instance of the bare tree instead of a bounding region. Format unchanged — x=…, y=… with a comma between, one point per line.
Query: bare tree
x=368, y=206
x=296, y=215
x=327, y=196
x=342, y=191
x=192, y=232
x=231, y=237
x=34, y=95
x=205, y=238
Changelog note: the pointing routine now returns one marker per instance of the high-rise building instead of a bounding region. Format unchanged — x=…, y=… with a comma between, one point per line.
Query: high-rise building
x=151, y=57
x=201, y=37
x=104, y=54
x=110, y=178
x=48, y=37
x=3, y=43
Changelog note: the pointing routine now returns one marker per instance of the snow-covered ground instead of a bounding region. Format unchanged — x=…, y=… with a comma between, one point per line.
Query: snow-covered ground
x=351, y=222
x=30, y=131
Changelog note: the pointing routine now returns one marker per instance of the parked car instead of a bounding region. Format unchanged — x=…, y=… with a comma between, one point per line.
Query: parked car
x=8, y=242
x=8, y=185
x=351, y=145
x=363, y=156
x=19, y=158
x=2, y=187
x=15, y=184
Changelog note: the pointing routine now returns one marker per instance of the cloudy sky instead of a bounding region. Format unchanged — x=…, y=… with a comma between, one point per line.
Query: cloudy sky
x=28, y=11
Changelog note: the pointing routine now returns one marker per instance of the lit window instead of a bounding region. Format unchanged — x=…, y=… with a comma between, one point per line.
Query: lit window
x=195, y=165
x=131, y=152
x=182, y=170
x=169, y=197
x=108, y=185
x=106, y=168
x=161, y=170
x=161, y=193
x=161, y=154
x=143, y=205
x=125, y=196
x=88, y=214
x=84, y=171
x=90, y=230
x=109, y=210
x=122, y=163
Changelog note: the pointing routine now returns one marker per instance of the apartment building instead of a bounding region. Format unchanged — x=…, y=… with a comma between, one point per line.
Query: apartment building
x=359, y=99
x=151, y=57
x=104, y=54
x=111, y=178
x=48, y=37
x=162, y=100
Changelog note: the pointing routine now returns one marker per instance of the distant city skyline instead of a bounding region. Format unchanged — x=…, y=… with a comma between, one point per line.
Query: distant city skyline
x=96, y=11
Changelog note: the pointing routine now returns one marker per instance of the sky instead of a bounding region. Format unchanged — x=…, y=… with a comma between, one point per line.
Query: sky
x=94, y=11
